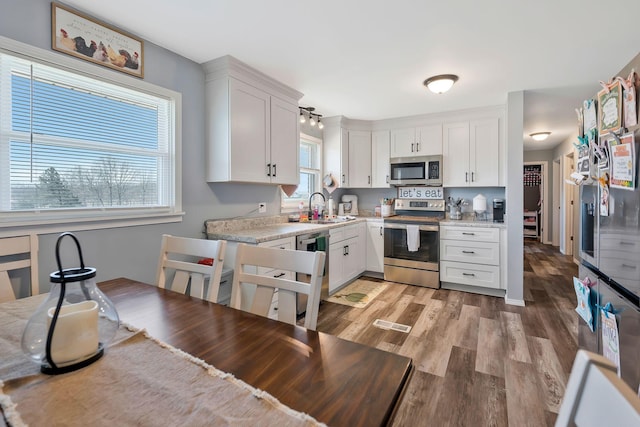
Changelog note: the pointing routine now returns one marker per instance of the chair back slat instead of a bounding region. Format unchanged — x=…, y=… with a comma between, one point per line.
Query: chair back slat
x=18, y=247
x=180, y=256
x=252, y=259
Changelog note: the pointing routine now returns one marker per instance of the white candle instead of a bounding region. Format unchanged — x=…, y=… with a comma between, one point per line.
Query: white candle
x=76, y=332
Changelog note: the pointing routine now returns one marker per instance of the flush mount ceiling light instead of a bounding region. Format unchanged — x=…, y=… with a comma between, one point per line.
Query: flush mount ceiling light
x=441, y=83
x=540, y=136
x=314, y=118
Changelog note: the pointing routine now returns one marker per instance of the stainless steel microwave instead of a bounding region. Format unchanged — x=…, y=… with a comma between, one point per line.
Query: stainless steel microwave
x=418, y=170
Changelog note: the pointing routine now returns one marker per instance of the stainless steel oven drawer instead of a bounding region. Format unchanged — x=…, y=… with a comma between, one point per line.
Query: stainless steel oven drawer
x=412, y=276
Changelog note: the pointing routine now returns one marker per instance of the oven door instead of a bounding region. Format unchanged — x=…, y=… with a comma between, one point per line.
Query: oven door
x=417, y=268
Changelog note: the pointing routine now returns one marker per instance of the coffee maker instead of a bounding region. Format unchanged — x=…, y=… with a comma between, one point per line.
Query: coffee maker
x=498, y=210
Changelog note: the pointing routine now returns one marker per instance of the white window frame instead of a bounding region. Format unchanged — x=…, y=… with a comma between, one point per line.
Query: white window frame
x=87, y=219
x=292, y=205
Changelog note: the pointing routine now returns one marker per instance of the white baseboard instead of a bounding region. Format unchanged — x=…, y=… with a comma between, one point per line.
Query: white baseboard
x=511, y=301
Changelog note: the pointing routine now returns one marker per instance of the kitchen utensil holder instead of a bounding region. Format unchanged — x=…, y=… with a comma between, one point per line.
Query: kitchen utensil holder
x=455, y=212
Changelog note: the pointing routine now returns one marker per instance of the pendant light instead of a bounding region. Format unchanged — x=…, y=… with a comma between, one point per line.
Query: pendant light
x=302, y=118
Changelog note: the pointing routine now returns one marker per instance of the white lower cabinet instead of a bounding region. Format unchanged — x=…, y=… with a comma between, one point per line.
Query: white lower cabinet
x=346, y=254
x=470, y=256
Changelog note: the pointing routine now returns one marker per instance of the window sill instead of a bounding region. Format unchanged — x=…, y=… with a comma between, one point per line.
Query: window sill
x=58, y=225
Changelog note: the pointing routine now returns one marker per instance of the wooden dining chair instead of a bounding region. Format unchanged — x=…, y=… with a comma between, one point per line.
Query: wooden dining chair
x=187, y=258
x=250, y=259
x=18, y=253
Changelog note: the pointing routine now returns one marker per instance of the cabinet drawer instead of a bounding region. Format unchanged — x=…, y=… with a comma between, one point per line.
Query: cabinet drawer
x=285, y=243
x=478, y=234
x=487, y=276
x=350, y=231
x=472, y=252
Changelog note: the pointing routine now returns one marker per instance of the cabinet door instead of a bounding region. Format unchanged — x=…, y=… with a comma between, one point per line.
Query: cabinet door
x=429, y=140
x=285, y=142
x=352, y=264
x=359, y=159
x=403, y=142
x=380, y=142
x=336, y=263
x=375, y=247
x=249, y=116
x=484, y=155
x=455, y=153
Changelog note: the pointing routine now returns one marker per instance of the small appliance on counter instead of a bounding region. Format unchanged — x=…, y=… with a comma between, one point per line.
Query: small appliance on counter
x=350, y=205
x=480, y=207
x=498, y=210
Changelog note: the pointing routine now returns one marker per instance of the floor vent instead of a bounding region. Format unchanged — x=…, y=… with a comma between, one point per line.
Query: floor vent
x=385, y=324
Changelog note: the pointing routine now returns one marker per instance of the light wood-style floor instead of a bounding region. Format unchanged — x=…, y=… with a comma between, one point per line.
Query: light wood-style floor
x=478, y=361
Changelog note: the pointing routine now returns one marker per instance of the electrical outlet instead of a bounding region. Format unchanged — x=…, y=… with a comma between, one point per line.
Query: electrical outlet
x=262, y=207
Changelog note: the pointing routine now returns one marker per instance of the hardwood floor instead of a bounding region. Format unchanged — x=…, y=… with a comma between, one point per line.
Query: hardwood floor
x=477, y=360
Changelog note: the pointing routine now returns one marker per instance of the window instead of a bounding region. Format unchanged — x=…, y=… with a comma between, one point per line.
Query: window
x=310, y=182
x=75, y=146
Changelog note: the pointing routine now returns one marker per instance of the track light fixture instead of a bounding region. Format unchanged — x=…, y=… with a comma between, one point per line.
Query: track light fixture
x=314, y=118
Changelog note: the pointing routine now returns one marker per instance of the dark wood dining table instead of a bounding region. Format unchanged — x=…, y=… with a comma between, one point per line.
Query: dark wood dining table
x=338, y=382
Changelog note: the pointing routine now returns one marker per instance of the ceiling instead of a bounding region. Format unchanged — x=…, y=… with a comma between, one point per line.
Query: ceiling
x=367, y=59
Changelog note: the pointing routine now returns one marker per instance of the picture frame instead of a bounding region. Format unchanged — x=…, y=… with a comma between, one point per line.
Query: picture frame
x=610, y=108
x=84, y=37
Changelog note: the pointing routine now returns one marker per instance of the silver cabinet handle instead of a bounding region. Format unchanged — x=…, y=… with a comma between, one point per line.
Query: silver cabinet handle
x=629, y=266
x=279, y=275
x=387, y=179
x=369, y=179
x=473, y=177
x=274, y=169
x=268, y=169
x=468, y=252
x=412, y=147
x=381, y=228
x=466, y=177
x=468, y=234
x=417, y=146
x=628, y=243
x=343, y=178
x=468, y=274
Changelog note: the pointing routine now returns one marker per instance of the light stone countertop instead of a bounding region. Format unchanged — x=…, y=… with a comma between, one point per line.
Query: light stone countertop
x=254, y=231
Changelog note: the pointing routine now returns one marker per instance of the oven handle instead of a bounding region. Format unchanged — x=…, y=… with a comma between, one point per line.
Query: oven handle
x=404, y=226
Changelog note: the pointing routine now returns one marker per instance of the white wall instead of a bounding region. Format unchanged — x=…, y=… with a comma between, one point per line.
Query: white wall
x=514, y=195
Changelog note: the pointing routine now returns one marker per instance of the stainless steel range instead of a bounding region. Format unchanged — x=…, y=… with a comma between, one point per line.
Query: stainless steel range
x=412, y=242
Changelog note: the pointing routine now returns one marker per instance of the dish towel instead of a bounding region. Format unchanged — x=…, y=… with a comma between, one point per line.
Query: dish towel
x=413, y=238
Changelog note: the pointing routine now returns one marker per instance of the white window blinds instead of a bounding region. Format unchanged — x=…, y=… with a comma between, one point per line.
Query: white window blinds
x=68, y=141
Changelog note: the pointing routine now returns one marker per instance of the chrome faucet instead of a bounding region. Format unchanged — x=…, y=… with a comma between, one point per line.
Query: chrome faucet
x=311, y=208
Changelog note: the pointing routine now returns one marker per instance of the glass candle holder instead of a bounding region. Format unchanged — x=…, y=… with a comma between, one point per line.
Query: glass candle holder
x=73, y=326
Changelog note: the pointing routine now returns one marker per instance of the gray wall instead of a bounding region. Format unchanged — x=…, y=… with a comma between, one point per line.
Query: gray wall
x=133, y=251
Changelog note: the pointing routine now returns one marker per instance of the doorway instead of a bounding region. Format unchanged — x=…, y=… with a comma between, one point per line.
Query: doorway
x=535, y=194
x=566, y=240
x=555, y=211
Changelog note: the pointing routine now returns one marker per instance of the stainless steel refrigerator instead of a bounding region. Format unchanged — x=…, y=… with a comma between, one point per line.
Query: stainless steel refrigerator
x=610, y=257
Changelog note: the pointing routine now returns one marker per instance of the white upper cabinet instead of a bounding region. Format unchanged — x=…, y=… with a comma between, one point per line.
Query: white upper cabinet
x=484, y=152
x=285, y=142
x=252, y=125
x=359, y=159
x=471, y=153
x=380, y=142
x=418, y=141
x=335, y=146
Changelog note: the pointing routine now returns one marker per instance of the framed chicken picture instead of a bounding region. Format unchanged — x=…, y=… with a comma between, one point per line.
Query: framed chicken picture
x=84, y=37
